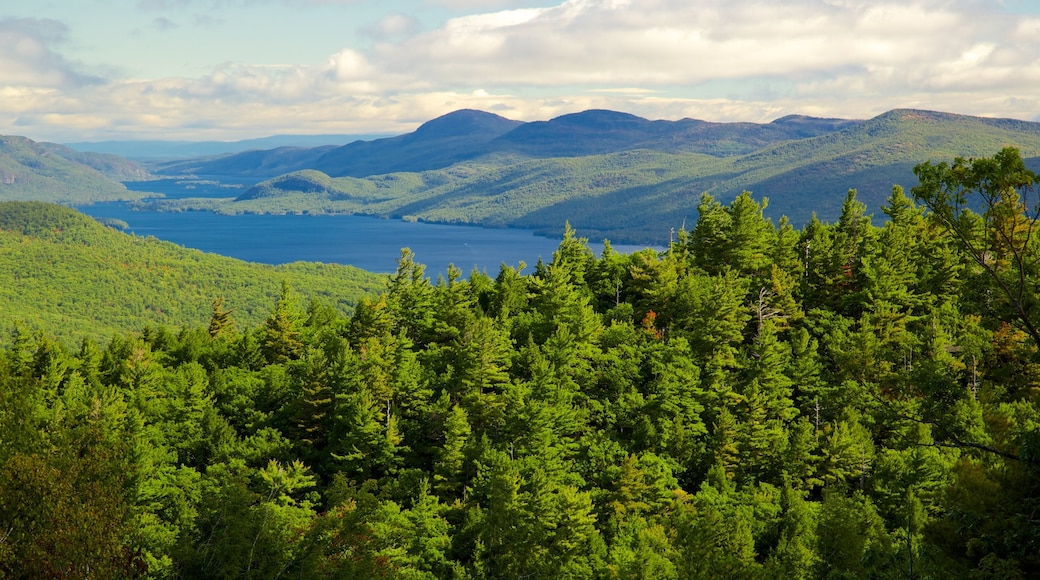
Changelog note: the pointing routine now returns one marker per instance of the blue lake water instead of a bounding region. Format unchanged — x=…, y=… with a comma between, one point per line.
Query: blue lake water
x=369, y=243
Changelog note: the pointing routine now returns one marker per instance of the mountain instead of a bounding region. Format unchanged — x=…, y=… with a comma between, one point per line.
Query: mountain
x=597, y=132
x=159, y=150
x=435, y=144
x=67, y=273
x=467, y=135
x=639, y=195
x=813, y=174
x=258, y=163
x=50, y=172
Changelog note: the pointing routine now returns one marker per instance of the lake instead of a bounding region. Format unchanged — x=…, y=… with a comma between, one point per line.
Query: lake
x=370, y=243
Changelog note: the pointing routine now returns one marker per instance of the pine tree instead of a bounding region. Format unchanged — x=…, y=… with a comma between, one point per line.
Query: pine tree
x=281, y=340
x=220, y=322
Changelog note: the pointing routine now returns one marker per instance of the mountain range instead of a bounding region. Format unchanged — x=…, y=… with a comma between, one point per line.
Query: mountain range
x=611, y=174
x=467, y=134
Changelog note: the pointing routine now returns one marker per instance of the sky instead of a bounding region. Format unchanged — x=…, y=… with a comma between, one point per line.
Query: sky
x=93, y=70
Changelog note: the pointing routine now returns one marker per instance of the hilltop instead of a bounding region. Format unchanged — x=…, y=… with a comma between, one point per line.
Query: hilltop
x=69, y=274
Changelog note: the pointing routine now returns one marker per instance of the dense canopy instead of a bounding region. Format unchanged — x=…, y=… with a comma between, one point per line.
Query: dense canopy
x=849, y=400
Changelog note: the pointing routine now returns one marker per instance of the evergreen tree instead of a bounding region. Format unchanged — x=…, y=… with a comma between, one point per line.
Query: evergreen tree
x=281, y=333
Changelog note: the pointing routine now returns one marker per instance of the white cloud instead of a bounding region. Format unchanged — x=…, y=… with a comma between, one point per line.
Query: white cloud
x=392, y=26
x=28, y=57
x=676, y=43
x=722, y=60
x=165, y=5
x=466, y=5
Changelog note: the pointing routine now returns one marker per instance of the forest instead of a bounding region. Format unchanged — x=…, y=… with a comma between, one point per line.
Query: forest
x=848, y=400
x=74, y=278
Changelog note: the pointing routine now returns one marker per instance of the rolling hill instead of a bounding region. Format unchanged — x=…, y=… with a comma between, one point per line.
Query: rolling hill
x=637, y=195
x=49, y=172
x=76, y=278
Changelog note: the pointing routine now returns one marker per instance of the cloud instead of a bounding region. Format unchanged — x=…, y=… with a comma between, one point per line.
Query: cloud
x=165, y=5
x=675, y=42
x=162, y=5
x=720, y=60
x=392, y=26
x=884, y=49
x=466, y=5
x=28, y=57
x=162, y=24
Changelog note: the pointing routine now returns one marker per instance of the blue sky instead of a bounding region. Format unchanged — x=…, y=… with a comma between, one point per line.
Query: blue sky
x=77, y=70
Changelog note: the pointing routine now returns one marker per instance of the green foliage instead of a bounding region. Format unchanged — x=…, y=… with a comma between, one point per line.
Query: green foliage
x=31, y=171
x=76, y=278
x=840, y=402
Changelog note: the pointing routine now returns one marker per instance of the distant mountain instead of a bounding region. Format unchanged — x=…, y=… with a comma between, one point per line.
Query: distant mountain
x=597, y=132
x=50, y=172
x=67, y=273
x=256, y=163
x=638, y=195
x=158, y=150
x=467, y=135
x=610, y=174
x=436, y=144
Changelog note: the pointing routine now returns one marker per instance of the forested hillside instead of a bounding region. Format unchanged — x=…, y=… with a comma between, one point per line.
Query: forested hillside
x=631, y=180
x=31, y=171
x=844, y=401
x=72, y=277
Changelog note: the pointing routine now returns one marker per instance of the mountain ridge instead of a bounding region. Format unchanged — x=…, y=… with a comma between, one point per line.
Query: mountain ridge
x=611, y=174
x=468, y=134
x=632, y=196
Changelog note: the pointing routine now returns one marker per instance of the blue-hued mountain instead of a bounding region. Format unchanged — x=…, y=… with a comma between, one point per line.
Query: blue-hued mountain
x=632, y=180
x=49, y=172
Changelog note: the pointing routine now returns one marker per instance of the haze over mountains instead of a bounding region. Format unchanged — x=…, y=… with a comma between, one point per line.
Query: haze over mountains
x=167, y=150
